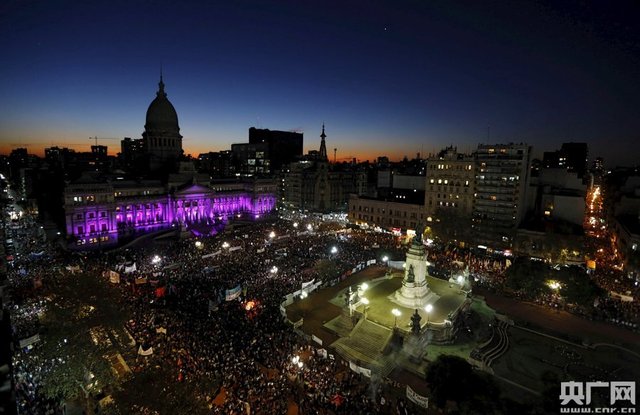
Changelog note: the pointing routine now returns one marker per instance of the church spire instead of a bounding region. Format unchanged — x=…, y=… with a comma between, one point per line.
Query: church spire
x=323, y=145
x=161, y=85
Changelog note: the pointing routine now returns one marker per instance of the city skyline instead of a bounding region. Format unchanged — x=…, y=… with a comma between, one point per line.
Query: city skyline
x=385, y=79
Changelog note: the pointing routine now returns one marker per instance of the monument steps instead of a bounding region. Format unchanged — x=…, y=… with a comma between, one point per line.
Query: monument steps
x=365, y=344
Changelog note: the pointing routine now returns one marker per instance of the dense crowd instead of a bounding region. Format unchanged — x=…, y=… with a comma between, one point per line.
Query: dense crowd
x=244, y=354
x=242, y=348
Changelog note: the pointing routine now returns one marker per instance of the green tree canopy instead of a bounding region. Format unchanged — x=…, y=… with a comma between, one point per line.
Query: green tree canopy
x=451, y=378
x=527, y=276
x=80, y=321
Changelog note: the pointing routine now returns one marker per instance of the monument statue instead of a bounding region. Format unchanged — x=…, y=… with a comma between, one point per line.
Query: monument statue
x=411, y=277
x=415, y=323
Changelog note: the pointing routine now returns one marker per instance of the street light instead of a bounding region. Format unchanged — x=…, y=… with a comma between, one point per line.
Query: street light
x=385, y=259
x=396, y=313
x=198, y=244
x=334, y=250
x=365, y=301
x=303, y=295
x=428, y=308
x=225, y=245
x=295, y=225
x=272, y=234
x=309, y=227
x=156, y=260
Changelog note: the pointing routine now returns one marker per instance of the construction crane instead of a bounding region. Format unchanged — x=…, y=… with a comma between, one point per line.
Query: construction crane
x=103, y=138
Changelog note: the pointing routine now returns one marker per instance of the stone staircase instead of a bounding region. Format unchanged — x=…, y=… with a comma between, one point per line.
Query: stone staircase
x=365, y=345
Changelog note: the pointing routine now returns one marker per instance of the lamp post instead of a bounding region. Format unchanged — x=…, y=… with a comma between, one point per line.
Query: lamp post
x=365, y=301
x=428, y=308
x=396, y=313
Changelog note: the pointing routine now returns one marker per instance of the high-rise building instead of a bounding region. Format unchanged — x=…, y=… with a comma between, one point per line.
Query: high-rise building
x=251, y=158
x=571, y=156
x=450, y=182
x=502, y=172
x=283, y=147
x=162, y=139
x=131, y=152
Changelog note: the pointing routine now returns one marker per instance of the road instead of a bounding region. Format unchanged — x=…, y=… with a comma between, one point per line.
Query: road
x=560, y=322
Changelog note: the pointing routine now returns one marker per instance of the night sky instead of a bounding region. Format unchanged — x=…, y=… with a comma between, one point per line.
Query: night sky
x=387, y=78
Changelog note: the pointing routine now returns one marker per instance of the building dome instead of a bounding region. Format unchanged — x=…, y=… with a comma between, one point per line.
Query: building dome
x=161, y=115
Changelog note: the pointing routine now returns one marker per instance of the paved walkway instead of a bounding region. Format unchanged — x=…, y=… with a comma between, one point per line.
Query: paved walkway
x=560, y=321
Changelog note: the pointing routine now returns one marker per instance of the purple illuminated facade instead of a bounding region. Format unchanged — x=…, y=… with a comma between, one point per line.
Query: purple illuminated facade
x=100, y=214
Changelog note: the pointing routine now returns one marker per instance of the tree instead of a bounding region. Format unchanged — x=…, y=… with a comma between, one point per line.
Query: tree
x=527, y=276
x=577, y=287
x=78, y=323
x=450, y=225
x=156, y=389
x=451, y=378
x=325, y=269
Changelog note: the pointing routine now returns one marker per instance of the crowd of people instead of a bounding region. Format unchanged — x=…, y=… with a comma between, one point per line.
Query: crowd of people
x=180, y=318
x=186, y=313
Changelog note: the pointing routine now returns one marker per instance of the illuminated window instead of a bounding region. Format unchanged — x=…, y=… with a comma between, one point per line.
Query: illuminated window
x=439, y=181
x=431, y=181
x=446, y=181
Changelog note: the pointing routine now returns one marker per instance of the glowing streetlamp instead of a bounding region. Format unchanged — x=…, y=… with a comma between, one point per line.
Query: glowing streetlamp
x=428, y=308
x=396, y=313
x=309, y=227
x=225, y=245
x=385, y=259
x=156, y=260
x=303, y=295
x=334, y=250
x=272, y=234
x=198, y=244
x=295, y=225
x=274, y=269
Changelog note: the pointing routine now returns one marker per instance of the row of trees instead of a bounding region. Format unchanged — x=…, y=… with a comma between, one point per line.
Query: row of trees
x=75, y=365
x=455, y=385
x=530, y=278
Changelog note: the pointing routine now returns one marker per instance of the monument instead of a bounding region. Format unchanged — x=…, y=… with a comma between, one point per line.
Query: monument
x=415, y=291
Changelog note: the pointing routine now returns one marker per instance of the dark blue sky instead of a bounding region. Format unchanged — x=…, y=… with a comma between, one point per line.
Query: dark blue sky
x=390, y=78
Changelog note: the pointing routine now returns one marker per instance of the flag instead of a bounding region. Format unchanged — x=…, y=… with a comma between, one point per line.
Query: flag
x=233, y=293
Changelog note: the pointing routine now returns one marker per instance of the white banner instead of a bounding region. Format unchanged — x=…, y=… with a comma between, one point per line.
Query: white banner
x=622, y=297
x=143, y=352
x=130, y=269
x=419, y=400
x=234, y=248
x=259, y=251
x=316, y=339
x=306, y=284
x=322, y=353
x=29, y=340
x=359, y=369
x=211, y=254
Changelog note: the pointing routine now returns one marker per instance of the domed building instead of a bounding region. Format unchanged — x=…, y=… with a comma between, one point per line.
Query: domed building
x=161, y=137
